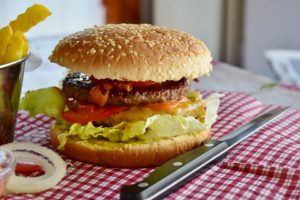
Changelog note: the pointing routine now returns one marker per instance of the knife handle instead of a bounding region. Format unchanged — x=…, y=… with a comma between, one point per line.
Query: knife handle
x=175, y=172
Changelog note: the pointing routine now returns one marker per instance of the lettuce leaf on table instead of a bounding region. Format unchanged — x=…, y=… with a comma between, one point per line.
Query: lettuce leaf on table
x=48, y=101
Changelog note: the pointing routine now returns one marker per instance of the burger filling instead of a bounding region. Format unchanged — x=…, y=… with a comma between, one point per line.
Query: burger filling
x=111, y=92
x=122, y=111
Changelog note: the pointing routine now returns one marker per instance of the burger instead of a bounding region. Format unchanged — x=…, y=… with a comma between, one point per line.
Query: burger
x=126, y=101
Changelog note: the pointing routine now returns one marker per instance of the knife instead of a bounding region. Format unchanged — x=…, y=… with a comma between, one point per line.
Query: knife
x=176, y=172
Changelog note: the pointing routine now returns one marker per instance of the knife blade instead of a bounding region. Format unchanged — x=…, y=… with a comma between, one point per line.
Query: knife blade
x=176, y=172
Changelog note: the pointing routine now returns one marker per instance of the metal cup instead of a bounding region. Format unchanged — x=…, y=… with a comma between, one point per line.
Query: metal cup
x=11, y=77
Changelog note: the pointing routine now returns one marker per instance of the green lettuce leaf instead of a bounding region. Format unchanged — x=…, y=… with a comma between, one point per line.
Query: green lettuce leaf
x=212, y=105
x=48, y=101
x=89, y=131
x=162, y=126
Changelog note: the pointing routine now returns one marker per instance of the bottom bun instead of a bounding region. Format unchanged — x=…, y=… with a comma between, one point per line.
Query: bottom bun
x=129, y=155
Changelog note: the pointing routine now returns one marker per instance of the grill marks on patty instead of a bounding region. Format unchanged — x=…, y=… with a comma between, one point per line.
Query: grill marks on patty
x=78, y=86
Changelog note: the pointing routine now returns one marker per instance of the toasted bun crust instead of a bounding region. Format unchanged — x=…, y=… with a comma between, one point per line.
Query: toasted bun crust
x=133, y=53
x=130, y=155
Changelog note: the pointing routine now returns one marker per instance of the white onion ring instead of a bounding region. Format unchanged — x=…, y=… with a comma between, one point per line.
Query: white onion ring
x=53, y=173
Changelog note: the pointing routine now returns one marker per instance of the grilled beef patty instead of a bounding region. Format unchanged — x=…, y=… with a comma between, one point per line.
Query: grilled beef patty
x=78, y=86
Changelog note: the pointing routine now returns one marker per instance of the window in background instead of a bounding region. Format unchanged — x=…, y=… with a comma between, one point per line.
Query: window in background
x=68, y=16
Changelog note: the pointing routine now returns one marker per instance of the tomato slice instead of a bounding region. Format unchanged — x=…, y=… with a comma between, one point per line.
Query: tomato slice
x=87, y=113
x=166, y=106
x=28, y=168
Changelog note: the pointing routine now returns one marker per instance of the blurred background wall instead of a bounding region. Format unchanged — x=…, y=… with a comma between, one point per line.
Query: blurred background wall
x=202, y=18
x=236, y=31
x=269, y=24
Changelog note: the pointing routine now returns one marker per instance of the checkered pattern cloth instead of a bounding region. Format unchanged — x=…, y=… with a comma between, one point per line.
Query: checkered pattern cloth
x=265, y=166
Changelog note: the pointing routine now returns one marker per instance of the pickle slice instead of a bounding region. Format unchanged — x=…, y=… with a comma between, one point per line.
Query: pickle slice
x=32, y=16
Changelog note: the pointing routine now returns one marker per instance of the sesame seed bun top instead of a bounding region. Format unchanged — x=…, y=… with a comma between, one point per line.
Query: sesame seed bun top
x=133, y=52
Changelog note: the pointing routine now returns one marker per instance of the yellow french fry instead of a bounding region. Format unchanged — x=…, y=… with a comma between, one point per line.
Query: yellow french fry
x=5, y=35
x=32, y=16
x=17, y=48
x=25, y=47
x=13, y=43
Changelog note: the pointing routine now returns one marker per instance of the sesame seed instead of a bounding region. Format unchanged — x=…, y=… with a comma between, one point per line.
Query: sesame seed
x=93, y=51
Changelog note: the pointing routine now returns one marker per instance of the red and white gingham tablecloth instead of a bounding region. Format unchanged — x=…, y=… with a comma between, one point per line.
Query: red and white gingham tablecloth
x=265, y=166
